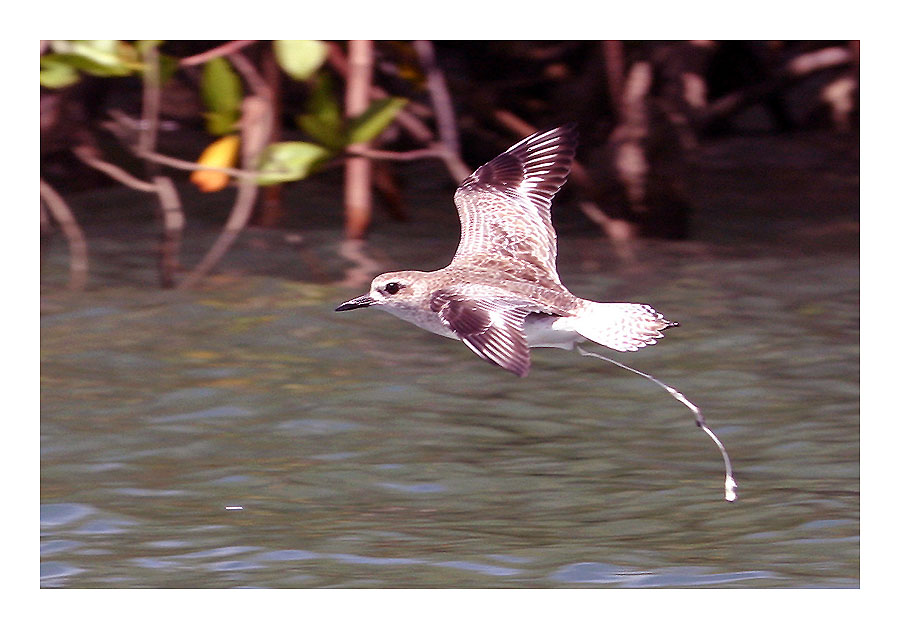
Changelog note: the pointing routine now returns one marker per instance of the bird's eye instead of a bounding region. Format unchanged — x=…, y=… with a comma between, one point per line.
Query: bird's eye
x=392, y=288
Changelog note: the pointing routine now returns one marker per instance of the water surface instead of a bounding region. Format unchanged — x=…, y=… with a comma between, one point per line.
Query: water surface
x=365, y=452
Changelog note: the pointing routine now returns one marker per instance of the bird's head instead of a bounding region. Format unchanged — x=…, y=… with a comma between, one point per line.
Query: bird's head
x=397, y=290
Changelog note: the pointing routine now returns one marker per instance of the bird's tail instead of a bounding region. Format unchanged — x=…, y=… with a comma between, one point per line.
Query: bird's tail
x=623, y=327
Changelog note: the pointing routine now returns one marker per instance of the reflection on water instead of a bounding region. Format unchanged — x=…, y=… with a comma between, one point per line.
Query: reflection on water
x=368, y=453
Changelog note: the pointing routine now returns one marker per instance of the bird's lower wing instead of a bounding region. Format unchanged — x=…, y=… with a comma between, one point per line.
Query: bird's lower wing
x=492, y=327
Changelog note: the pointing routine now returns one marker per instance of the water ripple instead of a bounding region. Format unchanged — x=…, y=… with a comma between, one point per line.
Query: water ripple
x=684, y=576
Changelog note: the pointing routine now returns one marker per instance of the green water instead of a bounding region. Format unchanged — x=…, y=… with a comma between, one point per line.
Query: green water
x=365, y=452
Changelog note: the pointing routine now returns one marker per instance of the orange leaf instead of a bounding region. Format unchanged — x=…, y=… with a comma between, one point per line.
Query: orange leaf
x=222, y=153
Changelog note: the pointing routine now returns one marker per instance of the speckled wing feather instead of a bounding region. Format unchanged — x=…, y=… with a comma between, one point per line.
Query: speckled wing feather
x=504, y=208
x=492, y=327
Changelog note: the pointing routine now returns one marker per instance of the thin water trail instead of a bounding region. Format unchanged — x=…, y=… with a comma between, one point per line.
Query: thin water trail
x=730, y=484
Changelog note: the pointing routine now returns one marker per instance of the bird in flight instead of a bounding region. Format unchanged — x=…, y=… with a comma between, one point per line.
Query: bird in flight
x=501, y=294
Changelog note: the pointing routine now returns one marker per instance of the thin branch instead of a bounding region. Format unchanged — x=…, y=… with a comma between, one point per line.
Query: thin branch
x=125, y=127
x=579, y=174
x=173, y=226
x=169, y=203
x=795, y=70
x=256, y=130
x=243, y=207
x=629, y=137
x=358, y=170
x=440, y=95
x=512, y=122
x=78, y=254
x=443, y=109
x=256, y=125
x=170, y=238
x=271, y=211
x=151, y=101
x=410, y=123
x=620, y=232
x=218, y=51
x=239, y=173
x=254, y=79
x=455, y=166
x=436, y=151
x=823, y=59
x=415, y=127
x=405, y=119
x=182, y=164
x=88, y=155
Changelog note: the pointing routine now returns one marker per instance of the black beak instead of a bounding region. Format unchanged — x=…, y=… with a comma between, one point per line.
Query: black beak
x=360, y=302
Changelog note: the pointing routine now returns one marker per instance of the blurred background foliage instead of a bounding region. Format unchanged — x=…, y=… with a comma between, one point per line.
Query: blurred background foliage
x=240, y=115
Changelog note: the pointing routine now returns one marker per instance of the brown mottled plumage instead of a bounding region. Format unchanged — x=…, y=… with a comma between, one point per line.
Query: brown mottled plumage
x=501, y=293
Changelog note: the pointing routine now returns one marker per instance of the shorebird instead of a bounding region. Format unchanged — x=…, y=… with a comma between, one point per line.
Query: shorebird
x=501, y=294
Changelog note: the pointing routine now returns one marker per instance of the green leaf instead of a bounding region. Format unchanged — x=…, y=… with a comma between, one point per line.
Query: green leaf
x=57, y=76
x=323, y=131
x=323, y=120
x=101, y=51
x=101, y=57
x=85, y=64
x=289, y=161
x=300, y=58
x=168, y=66
x=323, y=101
x=56, y=73
x=220, y=123
x=369, y=124
x=222, y=93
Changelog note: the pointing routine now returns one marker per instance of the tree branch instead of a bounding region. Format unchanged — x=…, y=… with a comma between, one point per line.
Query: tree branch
x=218, y=51
x=78, y=255
x=88, y=155
x=169, y=203
x=256, y=126
x=796, y=69
x=436, y=151
x=254, y=79
x=358, y=169
x=173, y=226
x=440, y=95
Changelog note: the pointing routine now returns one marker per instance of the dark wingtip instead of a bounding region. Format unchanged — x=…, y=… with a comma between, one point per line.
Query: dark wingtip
x=517, y=369
x=570, y=129
x=569, y=132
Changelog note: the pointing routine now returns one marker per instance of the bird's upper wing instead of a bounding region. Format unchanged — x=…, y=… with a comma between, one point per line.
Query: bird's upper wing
x=504, y=207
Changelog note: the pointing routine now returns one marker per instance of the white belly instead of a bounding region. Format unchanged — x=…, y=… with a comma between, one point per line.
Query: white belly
x=424, y=319
x=552, y=332
x=540, y=331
